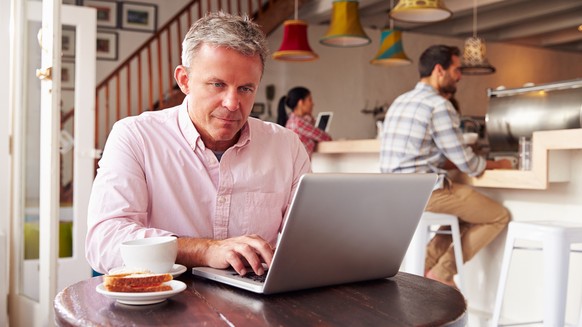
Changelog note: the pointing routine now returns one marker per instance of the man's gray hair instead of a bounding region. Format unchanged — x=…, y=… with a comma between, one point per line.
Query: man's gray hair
x=221, y=29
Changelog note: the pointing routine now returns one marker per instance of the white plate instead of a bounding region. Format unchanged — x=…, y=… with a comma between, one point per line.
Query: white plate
x=143, y=298
x=177, y=270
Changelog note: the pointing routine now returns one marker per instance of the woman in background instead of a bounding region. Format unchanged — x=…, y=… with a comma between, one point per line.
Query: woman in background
x=301, y=120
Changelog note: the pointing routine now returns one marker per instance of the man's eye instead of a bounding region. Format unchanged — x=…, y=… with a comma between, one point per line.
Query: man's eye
x=246, y=89
x=217, y=84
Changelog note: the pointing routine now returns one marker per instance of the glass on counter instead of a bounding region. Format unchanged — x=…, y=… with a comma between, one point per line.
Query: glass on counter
x=524, y=153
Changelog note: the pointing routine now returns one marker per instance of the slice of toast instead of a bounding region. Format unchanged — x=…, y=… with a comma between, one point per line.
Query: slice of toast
x=137, y=282
x=139, y=289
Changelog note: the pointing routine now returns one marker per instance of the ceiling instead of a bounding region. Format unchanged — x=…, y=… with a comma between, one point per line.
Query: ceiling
x=550, y=24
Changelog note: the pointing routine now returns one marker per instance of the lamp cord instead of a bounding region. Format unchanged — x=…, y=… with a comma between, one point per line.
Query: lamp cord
x=474, y=18
x=391, y=20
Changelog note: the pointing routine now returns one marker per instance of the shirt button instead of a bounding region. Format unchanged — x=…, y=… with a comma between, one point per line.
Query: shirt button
x=221, y=199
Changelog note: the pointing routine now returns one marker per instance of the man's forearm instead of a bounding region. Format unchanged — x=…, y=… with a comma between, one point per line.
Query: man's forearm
x=192, y=251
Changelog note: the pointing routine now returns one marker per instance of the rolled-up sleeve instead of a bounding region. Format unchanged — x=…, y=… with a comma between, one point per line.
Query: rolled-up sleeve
x=448, y=137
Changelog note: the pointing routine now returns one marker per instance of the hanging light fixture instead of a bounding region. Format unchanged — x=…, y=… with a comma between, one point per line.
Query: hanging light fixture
x=345, y=29
x=295, y=46
x=420, y=11
x=391, y=52
x=474, y=60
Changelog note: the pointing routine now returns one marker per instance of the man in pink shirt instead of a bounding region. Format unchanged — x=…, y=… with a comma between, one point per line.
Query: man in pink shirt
x=203, y=171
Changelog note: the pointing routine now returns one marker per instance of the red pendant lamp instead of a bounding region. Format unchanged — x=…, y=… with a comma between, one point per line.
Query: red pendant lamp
x=295, y=46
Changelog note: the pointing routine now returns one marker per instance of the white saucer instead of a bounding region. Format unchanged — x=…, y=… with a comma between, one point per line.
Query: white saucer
x=143, y=298
x=177, y=270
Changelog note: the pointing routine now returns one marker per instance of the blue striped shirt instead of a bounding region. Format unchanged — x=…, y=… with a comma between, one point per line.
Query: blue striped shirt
x=421, y=130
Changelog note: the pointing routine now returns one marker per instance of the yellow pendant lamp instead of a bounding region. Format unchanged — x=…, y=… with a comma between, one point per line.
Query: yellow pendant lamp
x=345, y=29
x=391, y=52
x=295, y=46
x=420, y=11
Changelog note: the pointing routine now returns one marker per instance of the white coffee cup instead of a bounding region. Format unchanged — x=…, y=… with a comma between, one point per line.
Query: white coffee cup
x=157, y=254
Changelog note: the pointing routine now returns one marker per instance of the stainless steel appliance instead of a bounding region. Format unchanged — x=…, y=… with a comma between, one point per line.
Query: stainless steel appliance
x=513, y=113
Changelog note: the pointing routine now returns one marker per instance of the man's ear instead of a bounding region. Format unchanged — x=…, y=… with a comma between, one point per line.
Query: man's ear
x=181, y=77
x=438, y=68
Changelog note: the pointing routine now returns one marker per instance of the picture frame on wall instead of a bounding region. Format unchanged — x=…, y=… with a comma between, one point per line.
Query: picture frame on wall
x=142, y=17
x=106, y=12
x=67, y=75
x=68, y=42
x=107, y=45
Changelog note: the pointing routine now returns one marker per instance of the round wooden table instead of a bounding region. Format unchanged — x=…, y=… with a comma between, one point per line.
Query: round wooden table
x=404, y=300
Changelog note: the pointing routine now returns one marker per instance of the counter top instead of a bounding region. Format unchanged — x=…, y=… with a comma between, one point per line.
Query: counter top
x=349, y=146
x=550, y=160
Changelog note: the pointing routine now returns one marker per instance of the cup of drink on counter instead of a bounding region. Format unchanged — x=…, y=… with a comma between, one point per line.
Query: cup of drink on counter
x=524, y=153
x=156, y=254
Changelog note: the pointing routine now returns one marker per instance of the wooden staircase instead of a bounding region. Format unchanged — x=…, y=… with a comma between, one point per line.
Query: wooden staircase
x=144, y=81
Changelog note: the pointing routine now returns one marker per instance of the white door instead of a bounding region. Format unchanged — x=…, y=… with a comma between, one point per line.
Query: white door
x=43, y=228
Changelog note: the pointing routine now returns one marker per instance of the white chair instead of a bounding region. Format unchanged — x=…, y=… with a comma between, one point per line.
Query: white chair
x=427, y=227
x=556, y=238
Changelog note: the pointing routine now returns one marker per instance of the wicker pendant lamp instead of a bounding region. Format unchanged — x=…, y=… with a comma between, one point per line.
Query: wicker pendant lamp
x=474, y=60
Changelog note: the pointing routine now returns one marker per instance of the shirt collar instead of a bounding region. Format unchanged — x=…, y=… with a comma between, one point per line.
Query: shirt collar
x=425, y=87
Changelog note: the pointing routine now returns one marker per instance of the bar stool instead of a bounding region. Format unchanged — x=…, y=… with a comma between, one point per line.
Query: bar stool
x=416, y=252
x=556, y=238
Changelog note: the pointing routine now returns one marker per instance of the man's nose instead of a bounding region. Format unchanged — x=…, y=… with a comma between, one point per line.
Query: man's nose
x=231, y=101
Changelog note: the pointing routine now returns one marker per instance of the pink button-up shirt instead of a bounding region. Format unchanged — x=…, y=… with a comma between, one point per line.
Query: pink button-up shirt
x=157, y=178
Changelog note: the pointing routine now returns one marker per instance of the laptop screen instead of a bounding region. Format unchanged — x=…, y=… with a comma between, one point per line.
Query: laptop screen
x=323, y=120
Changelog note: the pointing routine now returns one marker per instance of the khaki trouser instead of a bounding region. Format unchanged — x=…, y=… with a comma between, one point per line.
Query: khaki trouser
x=480, y=220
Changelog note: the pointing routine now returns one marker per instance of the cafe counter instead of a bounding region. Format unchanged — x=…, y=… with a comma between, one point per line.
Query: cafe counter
x=551, y=190
x=551, y=159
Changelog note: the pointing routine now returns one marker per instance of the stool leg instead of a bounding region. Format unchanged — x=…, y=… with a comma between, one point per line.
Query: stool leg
x=416, y=252
x=457, y=247
x=556, y=265
x=507, y=252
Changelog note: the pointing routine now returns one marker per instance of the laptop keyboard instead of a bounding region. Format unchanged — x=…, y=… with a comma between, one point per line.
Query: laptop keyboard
x=251, y=275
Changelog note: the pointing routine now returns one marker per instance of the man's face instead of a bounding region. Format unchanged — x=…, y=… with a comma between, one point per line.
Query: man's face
x=222, y=85
x=452, y=76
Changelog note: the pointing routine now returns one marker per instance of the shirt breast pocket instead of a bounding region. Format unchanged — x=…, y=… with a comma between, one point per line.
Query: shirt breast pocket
x=263, y=214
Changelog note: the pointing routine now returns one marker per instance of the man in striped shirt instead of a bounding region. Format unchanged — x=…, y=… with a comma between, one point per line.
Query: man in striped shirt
x=422, y=134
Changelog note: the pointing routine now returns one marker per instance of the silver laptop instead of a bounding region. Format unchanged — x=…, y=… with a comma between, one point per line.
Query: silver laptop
x=340, y=228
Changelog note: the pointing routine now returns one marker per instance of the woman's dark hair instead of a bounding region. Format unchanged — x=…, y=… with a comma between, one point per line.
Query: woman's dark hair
x=436, y=54
x=290, y=100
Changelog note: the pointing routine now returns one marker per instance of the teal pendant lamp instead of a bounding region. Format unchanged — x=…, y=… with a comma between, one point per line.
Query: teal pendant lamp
x=391, y=52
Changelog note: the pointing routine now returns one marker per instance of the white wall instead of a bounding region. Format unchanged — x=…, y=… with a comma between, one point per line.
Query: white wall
x=342, y=80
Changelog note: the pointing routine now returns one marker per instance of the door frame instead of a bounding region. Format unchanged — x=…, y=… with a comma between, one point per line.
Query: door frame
x=52, y=278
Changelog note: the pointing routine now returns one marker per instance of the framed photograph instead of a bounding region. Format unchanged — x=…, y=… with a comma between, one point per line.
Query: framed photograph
x=68, y=76
x=106, y=12
x=258, y=109
x=107, y=45
x=139, y=16
x=68, y=42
